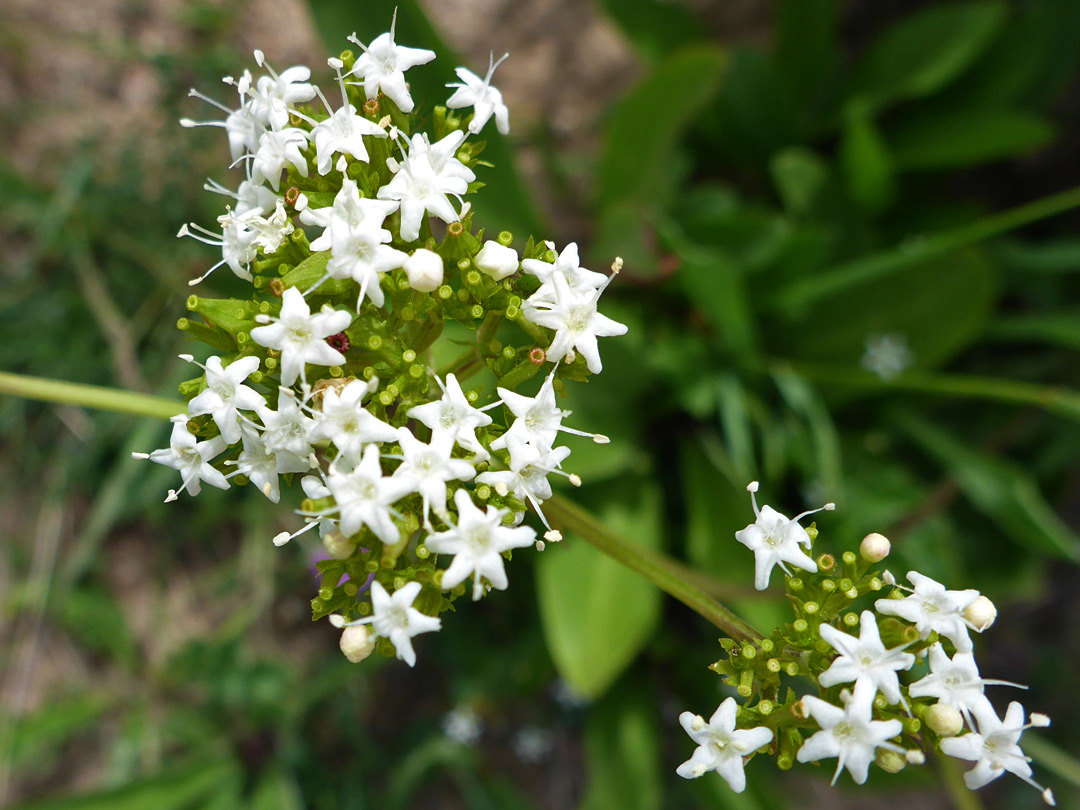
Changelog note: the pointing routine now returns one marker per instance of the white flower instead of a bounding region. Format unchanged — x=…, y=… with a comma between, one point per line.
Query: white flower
x=275, y=94
x=454, y=415
x=424, y=270
x=349, y=210
x=428, y=467
x=848, y=734
x=301, y=336
x=887, y=355
x=382, y=67
x=345, y=422
x=532, y=744
x=994, y=747
x=278, y=149
x=496, y=260
x=721, y=747
x=463, y=725
x=241, y=125
x=527, y=477
x=954, y=682
x=568, y=265
x=477, y=543
x=225, y=393
x=270, y=232
x=422, y=181
x=538, y=419
x=980, y=614
x=287, y=429
x=262, y=465
x=236, y=240
x=775, y=540
x=191, y=457
x=574, y=318
x=931, y=608
x=251, y=198
x=479, y=94
x=396, y=619
x=364, y=497
x=865, y=659
x=361, y=253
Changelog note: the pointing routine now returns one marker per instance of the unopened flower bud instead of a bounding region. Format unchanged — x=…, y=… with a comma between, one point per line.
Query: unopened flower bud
x=357, y=643
x=338, y=546
x=498, y=261
x=981, y=613
x=943, y=720
x=890, y=761
x=915, y=757
x=425, y=270
x=874, y=547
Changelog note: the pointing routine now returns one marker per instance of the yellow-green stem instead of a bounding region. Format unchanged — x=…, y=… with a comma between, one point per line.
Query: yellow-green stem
x=89, y=396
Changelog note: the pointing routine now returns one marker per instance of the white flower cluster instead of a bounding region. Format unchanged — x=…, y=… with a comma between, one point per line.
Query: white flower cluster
x=395, y=474
x=949, y=699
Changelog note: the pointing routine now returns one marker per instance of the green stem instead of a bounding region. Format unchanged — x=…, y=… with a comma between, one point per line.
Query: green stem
x=1062, y=401
x=88, y=396
x=917, y=250
x=666, y=574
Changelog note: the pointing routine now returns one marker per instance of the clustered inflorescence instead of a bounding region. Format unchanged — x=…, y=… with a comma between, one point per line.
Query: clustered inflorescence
x=352, y=229
x=862, y=712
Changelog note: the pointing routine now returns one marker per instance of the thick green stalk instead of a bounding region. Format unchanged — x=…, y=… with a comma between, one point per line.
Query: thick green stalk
x=662, y=572
x=89, y=396
x=917, y=250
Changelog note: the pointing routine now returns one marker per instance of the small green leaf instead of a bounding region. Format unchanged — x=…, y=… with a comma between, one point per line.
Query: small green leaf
x=923, y=53
x=866, y=161
x=597, y=615
x=967, y=137
x=799, y=174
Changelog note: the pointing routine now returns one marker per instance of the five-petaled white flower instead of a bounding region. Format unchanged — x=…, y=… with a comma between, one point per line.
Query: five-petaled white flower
x=424, y=179
x=455, y=415
x=568, y=265
x=364, y=497
x=344, y=420
x=848, y=733
x=428, y=467
x=865, y=659
x=301, y=336
x=225, y=393
x=775, y=540
x=481, y=96
x=931, y=609
x=995, y=748
x=288, y=428
x=278, y=149
x=262, y=465
x=382, y=67
x=721, y=747
x=342, y=132
x=395, y=618
x=477, y=543
x=191, y=457
x=538, y=419
x=954, y=681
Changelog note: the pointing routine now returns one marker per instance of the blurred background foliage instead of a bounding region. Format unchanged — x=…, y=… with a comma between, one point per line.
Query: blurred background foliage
x=782, y=189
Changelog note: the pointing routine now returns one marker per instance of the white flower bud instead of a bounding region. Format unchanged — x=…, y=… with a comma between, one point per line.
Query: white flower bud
x=425, y=270
x=357, y=643
x=874, y=547
x=498, y=261
x=890, y=761
x=338, y=546
x=944, y=720
x=981, y=613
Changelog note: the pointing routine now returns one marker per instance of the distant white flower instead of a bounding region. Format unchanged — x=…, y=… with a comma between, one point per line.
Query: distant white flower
x=428, y=468
x=479, y=94
x=382, y=67
x=344, y=420
x=278, y=149
x=776, y=540
x=454, y=414
x=865, y=659
x=931, y=608
x=301, y=336
x=225, y=393
x=496, y=260
x=424, y=269
x=994, y=747
x=463, y=725
x=395, y=618
x=848, y=733
x=532, y=744
x=721, y=747
x=191, y=457
x=954, y=682
x=887, y=355
x=364, y=497
x=538, y=419
x=477, y=543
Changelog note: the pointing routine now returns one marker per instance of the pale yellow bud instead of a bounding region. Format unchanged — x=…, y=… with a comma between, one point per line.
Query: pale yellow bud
x=981, y=613
x=874, y=547
x=943, y=720
x=357, y=643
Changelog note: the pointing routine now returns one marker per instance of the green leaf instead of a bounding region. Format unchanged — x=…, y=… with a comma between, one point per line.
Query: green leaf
x=1059, y=329
x=623, y=745
x=597, y=615
x=801, y=398
x=655, y=28
x=865, y=160
x=1006, y=494
x=92, y=616
x=636, y=175
x=505, y=203
x=967, y=137
x=799, y=174
x=1052, y=256
x=276, y=791
x=923, y=53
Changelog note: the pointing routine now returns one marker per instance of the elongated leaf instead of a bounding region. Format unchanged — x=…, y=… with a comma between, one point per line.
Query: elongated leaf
x=596, y=615
x=1006, y=494
x=622, y=741
x=799, y=175
x=1060, y=329
x=866, y=161
x=967, y=137
x=925, y=52
x=505, y=203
